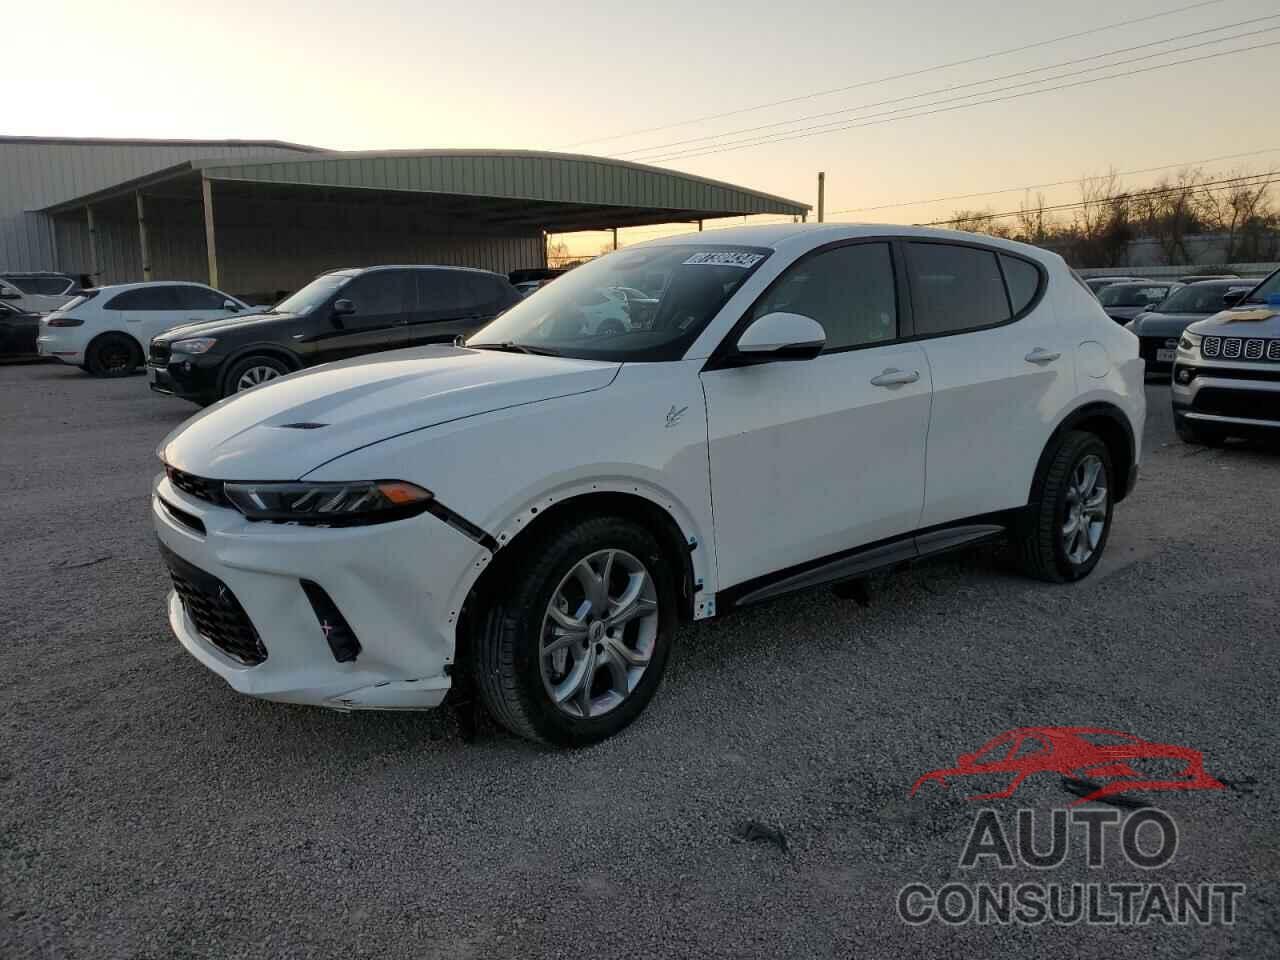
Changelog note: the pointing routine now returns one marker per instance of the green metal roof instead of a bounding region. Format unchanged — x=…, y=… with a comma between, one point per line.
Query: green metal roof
x=517, y=175
x=558, y=191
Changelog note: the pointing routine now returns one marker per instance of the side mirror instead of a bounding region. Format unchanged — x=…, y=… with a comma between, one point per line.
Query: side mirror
x=342, y=308
x=781, y=336
x=231, y=305
x=1234, y=297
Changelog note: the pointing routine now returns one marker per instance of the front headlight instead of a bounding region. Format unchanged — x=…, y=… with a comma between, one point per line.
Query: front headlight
x=329, y=504
x=194, y=345
x=1189, y=341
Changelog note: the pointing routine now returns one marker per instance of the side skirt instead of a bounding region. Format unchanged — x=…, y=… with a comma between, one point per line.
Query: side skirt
x=872, y=558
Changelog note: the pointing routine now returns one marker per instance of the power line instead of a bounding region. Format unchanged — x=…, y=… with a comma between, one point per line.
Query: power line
x=1216, y=185
x=803, y=133
x=1055, y=183
x=978, y=83
x=901, y=76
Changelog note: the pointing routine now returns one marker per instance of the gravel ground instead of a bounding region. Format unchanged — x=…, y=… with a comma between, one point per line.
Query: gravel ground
x=148, y=811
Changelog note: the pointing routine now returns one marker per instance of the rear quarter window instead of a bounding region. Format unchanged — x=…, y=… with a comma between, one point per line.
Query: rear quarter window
x=1024, y=280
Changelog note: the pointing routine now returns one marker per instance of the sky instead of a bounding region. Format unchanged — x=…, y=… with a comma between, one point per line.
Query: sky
x=575, y=75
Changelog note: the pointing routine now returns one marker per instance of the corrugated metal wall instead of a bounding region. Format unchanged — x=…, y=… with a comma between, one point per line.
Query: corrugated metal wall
x=267, y=245
x=37, y=173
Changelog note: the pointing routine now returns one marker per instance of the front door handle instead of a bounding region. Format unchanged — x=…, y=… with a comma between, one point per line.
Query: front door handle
x=1041, y=355
x=894, y=377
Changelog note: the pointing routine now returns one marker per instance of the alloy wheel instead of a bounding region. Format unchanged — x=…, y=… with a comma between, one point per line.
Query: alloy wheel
x=598, y=633
x=1086, y=510
x=254, y=376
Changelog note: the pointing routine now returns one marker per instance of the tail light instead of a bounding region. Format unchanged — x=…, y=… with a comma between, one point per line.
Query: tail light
x=64, y=322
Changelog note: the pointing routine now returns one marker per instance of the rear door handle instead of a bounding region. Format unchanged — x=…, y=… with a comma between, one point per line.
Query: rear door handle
x=894, y=377
x=1041, y=355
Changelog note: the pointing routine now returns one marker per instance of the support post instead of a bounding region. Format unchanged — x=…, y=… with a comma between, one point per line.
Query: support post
x=822, y=196
x=699, y=226
x=206, y=189
x=615, y=238
x=95, y=259
x=143, y=246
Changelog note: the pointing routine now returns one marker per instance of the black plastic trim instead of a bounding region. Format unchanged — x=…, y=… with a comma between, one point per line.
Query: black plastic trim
x=184, y=518
x=462, y=525
x=869, y=558
x=342, y=640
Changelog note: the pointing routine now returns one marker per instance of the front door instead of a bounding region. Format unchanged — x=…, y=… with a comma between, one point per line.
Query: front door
x=381, y=299
x=811, y=458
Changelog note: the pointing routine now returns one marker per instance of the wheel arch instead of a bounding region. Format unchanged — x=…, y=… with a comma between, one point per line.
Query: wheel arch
x=1110, y=424
x=273, y=350
x=114, y=332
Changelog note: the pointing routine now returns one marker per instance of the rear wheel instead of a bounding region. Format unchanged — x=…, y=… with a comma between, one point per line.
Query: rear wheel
x=1070, y=512
x=576, y=645
x=113, y=355
x=252, y=372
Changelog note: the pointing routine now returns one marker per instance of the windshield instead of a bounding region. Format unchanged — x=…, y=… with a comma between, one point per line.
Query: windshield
x=1269, y=287
x=1199, y=298
x=1127, y=295
x=644, y=304
x=313, y=294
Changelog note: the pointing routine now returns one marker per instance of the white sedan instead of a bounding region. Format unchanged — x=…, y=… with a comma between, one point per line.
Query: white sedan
x=532, y=514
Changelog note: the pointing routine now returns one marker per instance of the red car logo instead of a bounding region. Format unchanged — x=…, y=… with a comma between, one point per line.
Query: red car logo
x=1110, y=761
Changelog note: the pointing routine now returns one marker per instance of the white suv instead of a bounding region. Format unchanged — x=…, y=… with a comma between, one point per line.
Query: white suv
x=106, y=330
x=533, y=513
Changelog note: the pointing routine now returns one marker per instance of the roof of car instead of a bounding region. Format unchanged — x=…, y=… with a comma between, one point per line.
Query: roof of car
x=353, y=271
x=771, y=235
x=115, y=287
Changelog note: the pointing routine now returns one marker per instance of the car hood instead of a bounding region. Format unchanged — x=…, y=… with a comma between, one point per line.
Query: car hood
x=211, y=328
x=1254, y=320
x=1164, y=324
x=286, y=428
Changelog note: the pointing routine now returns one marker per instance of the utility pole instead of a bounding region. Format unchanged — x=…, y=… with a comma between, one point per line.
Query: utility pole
x=822, y=196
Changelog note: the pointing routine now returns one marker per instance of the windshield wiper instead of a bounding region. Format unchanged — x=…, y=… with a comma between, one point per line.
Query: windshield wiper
x=510, y=346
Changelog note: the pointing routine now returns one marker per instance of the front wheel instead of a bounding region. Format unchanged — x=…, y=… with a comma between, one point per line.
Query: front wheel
x=576, y=644
x=1070, y=512
x=252, y=372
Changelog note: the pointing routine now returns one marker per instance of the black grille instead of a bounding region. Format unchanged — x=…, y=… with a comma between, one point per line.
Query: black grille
x=159, y=354
x=1240, y=348
x=215, y=611
x=184, y=518
x=208, y=490
x=1250, y=404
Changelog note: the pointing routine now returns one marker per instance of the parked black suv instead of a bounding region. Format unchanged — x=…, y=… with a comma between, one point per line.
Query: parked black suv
x=339, y=314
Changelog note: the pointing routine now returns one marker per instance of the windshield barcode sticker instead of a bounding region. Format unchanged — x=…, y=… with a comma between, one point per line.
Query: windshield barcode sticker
x=727, y=258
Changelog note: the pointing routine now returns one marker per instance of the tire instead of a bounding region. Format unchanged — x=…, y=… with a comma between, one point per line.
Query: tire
x=258, y=368
x=1196, y=434
x=1052, y=548
x=514, y=674
x=113, y=355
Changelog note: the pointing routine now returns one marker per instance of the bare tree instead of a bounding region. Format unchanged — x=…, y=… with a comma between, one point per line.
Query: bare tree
x=1244, y=213
x=1170, y=211
x=1103, y=223
x=979, y=221
x=1033, y=223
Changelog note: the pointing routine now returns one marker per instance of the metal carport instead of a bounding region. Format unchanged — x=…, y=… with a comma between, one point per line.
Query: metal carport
x=266, y=225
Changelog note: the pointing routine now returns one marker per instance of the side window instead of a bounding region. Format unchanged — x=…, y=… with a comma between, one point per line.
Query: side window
x=376, y=294
x=144, y=298
x=849, y=290
x=443, y=294
x=198, y=298
x=955, y=288
x=1023, y=280
x=53, y=286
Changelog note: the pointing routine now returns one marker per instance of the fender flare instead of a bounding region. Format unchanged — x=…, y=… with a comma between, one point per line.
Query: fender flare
x=1092, y=411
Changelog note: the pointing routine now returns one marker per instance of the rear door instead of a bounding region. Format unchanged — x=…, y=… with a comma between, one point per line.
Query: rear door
x=812, y=458
x=382, y=301
x=198, y=303
x=1003, y=371
x=452, y=303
